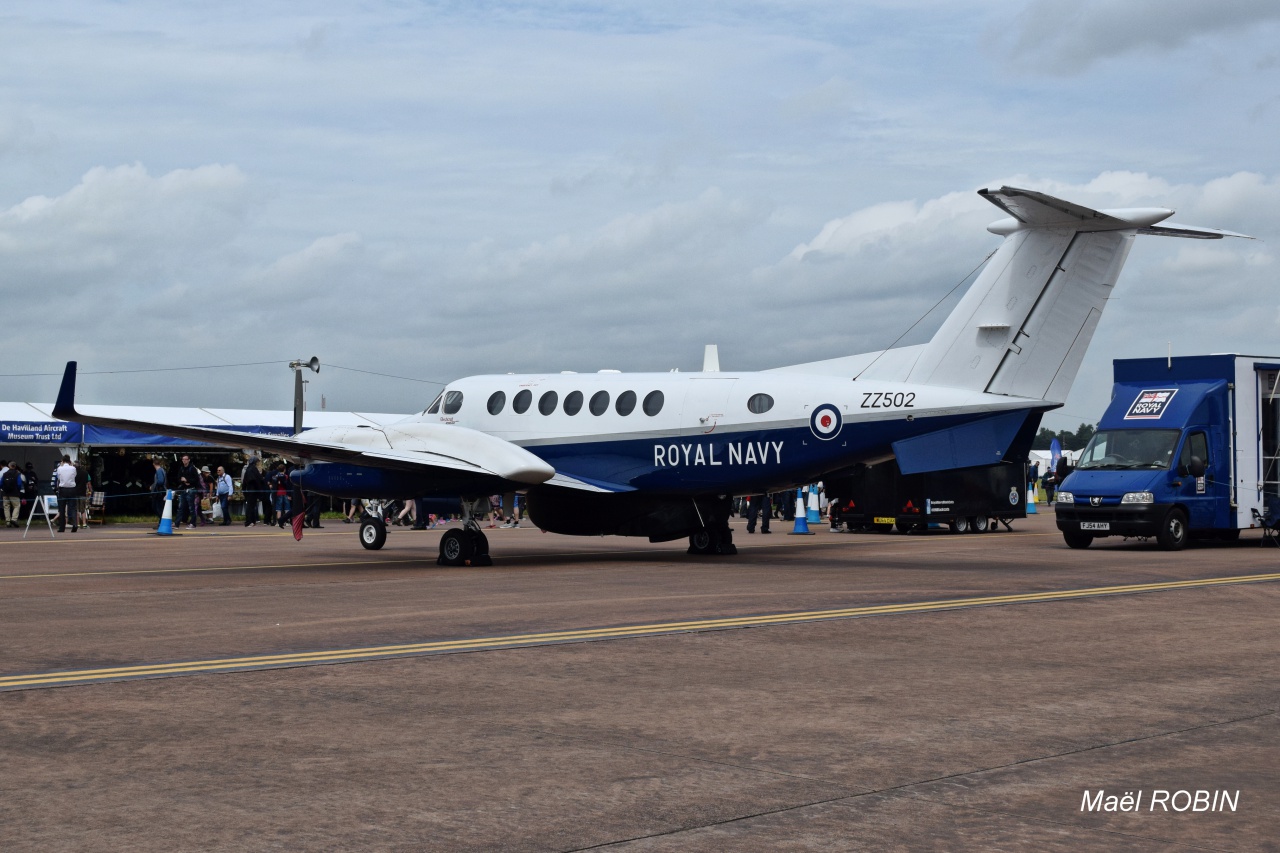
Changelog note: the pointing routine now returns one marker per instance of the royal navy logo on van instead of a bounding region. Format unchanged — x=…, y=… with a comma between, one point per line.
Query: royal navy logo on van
x=1150, y=405
x=825, y=421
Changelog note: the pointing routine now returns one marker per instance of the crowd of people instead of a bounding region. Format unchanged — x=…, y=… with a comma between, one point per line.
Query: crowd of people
x=268, y=496
x=20, y=489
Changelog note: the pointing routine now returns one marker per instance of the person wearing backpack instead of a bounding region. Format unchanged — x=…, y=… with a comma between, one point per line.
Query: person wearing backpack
x=11, y=488
x=31, y=487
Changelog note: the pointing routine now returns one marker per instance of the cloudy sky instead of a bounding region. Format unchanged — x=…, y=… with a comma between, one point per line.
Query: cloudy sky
x=431, y=190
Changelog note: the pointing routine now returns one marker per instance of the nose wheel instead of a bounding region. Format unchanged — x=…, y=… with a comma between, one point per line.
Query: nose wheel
x=373, y=533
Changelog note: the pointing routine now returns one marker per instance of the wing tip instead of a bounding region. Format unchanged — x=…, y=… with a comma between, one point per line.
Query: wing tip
x=65, y=407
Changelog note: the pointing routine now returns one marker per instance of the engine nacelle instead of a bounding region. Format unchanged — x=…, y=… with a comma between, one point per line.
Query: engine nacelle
x=661, y=519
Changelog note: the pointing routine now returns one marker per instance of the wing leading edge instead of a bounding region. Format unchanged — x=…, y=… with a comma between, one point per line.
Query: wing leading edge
x=446, y=450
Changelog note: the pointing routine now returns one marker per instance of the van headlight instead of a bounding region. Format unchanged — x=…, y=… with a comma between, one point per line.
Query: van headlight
x=1065, y=498
x=1138, y=498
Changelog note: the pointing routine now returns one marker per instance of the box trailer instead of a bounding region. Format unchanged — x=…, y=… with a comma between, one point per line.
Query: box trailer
x=967, y=500
x=1187, y=448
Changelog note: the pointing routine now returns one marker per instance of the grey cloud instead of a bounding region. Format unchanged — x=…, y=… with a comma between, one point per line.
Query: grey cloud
x=1067, y=38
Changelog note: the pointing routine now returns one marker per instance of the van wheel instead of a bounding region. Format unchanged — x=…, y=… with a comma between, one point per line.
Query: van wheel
x=1172, y=535
x=960, y=525
x=1077, y=540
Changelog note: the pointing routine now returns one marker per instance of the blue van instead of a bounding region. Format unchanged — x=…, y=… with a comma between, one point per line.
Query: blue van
x=1187, y=448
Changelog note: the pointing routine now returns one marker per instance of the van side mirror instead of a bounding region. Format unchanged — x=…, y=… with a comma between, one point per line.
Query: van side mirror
x=1196, y=468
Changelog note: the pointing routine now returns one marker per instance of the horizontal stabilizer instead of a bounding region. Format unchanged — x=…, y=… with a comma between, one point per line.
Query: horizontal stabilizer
x=1024, y=325
x=1172, y=229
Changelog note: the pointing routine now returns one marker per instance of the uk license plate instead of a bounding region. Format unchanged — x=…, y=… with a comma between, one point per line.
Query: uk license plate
x=1095, y=525
x=882, y=520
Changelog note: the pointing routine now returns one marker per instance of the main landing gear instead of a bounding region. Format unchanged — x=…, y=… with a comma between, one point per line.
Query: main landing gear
x=717, y=536
x=466, y=547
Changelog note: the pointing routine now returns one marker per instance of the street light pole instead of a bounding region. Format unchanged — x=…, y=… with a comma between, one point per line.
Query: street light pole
x=298, y=405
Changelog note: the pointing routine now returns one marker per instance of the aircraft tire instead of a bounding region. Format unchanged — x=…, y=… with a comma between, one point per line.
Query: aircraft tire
x=456, y=548
x=373, y=533
x=1172, y=535
x=702, y=542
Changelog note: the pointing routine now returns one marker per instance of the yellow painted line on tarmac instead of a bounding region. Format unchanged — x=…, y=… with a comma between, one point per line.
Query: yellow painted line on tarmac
x=333, y=656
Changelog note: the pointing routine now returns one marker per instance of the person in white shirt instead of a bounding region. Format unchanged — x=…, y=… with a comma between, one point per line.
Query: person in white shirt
x=66, y=478
x=223, y=491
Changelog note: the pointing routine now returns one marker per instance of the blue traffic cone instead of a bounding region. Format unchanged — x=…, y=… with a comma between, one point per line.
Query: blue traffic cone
x=166, y=517
x=1031, y=499
x=813, y=514
x=802, y=526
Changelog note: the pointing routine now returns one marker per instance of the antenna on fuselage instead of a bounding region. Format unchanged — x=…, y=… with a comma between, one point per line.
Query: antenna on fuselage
x=711, y=359
x=314, y=366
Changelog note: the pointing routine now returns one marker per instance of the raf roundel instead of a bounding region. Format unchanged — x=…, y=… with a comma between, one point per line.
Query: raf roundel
x=825, y=421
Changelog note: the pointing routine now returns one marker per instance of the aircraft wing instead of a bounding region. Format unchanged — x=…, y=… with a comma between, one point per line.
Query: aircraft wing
x=425, y=448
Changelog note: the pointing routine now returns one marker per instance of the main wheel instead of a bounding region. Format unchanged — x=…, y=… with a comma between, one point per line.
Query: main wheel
x=960, y=525
x=456, y=547
x=373, y=533
x=1076, y=539
x=700, y=542
x=1172, y=535
x=980, y=523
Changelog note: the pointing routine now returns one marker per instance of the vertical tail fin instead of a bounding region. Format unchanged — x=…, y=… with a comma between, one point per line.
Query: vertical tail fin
x=1024, y=325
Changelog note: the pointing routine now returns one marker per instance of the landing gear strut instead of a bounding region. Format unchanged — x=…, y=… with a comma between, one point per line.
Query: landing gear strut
x=717, y=536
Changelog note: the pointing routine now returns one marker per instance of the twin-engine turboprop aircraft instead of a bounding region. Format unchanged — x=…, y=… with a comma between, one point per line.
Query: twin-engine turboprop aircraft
x=661, y=454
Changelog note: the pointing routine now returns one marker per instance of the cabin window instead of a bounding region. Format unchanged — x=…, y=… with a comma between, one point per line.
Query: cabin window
x=626, y=403
x=599, y=403
x=452, y=402
x=522, y=401
x=653, y=403
x=547, y=402
x=573, y=403
x=434, y=408
x=496, y=401
x=759, y=404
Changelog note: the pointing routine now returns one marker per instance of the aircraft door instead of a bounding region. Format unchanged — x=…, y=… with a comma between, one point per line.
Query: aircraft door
x=706, y=403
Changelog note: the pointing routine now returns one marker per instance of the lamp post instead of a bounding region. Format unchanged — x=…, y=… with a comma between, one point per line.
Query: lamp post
x=314, y=366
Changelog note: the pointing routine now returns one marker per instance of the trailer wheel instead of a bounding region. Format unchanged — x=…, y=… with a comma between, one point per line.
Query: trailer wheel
x=960, y=525
x=1172, y=535
x=1076, y=539
x=980, y=524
